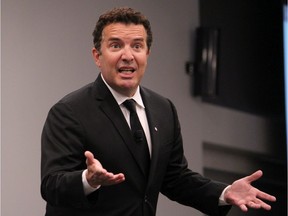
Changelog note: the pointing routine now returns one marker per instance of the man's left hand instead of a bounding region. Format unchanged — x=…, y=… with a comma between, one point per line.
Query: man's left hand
x=242, y=194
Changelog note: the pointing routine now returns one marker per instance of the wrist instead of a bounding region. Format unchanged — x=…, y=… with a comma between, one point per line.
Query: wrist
x=222, y=198
x=88, y=189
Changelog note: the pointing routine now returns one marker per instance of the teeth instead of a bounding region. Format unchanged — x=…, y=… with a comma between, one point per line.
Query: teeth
x=126, y=70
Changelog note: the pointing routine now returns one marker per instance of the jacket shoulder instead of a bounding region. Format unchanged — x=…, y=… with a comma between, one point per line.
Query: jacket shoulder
x=78, y=95
x=151, y=97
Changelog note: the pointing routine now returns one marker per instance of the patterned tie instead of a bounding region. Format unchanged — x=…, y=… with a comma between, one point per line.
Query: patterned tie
x=138, y=135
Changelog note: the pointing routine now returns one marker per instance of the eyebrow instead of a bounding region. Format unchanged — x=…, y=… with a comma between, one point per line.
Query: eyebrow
x=118, y=39
x=114, y=39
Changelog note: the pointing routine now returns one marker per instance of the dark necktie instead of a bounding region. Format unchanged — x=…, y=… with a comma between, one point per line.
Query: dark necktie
x=138, y=135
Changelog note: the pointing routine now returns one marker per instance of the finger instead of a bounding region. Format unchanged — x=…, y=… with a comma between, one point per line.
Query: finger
x=257, y=204
x=243, y=207
x=265, y=196
x=254, y=205
x=119, y=178
x=110, y=179
x=89, y=158
x=115, y=180
x=265, y=206
x=254, y=176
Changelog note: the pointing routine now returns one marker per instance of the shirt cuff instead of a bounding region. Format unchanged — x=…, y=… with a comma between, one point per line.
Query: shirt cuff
x=222, y=201
x=87, y=188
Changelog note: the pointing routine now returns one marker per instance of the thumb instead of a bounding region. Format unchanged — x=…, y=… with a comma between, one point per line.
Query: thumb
x=89, y=158
x=254, y=176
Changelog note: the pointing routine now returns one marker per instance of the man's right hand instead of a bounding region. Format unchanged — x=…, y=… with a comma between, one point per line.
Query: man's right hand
x=98, y=176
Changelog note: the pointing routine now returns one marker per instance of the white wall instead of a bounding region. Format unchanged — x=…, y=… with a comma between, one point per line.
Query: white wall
x=46, y=49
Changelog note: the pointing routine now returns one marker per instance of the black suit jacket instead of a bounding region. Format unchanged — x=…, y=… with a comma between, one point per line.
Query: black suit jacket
x=90, y=119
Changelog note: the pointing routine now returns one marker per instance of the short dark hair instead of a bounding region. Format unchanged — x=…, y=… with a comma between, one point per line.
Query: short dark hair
x=121, y=15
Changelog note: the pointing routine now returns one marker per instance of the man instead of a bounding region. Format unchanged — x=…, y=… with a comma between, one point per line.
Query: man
x=90, y=160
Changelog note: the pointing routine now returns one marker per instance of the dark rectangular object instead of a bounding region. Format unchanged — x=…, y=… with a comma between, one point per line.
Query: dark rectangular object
x=206, y=65
x=250, y=61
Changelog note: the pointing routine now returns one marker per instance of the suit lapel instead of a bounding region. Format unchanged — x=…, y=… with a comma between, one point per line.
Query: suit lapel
x=112, y=110
x=151, y=112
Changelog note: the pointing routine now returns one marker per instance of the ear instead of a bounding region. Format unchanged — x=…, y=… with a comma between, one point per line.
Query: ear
x=96, y=56
x=148, y=52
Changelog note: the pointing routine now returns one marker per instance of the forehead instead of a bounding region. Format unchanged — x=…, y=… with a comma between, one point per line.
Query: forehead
x=124, y=31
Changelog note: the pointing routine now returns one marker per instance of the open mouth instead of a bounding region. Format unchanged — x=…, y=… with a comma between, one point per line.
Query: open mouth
x=126, y=70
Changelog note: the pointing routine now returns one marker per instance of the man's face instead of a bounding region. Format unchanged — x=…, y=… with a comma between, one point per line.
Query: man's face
x=123, y=56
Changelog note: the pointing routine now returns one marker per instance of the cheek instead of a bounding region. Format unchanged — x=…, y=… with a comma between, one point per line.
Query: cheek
x=143, y=60
x=110, y=61
x=142, y=64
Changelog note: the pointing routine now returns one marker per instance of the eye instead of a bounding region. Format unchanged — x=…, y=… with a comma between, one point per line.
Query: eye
x=137, y=46
x=115, y=46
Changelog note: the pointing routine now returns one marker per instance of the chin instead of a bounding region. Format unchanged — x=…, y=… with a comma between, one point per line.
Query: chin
x=128, y=90
x=131, y=83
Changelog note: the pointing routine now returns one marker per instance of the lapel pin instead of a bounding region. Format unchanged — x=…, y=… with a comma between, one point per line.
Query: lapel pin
x=155, y=128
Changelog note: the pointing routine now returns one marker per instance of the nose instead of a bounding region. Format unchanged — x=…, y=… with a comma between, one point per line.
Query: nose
x=127, y=55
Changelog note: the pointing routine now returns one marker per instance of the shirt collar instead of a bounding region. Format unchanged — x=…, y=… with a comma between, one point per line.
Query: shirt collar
x=121, y=98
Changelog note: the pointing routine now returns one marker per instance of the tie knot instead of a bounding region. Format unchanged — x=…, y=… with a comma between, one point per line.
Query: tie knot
x=130, y=105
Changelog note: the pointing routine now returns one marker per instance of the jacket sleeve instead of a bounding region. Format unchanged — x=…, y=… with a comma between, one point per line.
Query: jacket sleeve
x=187, y=187
x=63, y=160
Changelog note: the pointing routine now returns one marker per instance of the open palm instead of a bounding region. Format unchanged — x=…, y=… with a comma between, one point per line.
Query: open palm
x=242, y=194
